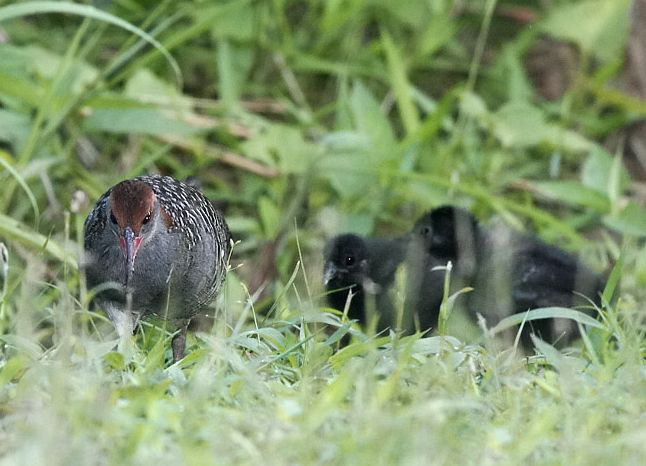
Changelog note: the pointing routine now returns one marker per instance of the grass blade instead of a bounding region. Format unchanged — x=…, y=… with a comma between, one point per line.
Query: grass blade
x=15, y=230
x=545, y=313
x=38, y=7
x=23, y=185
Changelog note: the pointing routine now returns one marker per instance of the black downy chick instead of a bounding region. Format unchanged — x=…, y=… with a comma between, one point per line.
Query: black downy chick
x=366, y=268
x=510, y=272
x=442, y=235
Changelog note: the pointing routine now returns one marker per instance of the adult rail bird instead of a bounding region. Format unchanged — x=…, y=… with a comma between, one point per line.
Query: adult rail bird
x=163, y=247
x=509, y=272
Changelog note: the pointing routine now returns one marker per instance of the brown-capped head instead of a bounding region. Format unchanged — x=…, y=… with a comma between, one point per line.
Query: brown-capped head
x=132, y=204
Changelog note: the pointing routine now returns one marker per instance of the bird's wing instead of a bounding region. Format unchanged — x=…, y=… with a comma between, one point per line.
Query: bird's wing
x=95, y=221
x=546, y=274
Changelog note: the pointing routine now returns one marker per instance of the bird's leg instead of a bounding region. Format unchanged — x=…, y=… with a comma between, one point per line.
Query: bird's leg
x=179, y=342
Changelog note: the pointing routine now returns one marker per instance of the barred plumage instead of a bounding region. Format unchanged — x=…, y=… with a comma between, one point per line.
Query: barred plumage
x=191, y=212
x=163, y=243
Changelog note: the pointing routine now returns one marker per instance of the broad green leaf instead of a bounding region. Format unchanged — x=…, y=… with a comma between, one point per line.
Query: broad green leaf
x=472, y=105
x=439, y=31
x=573, y=193
x=294, y=152
x=347, y=164
x=281, y=146
x=372, y=123
x=518, y=85
x=350, y=173
x=141, y=120
x=545, y=313
x=519, y=124
x=597, y=167
x=273, y=336
x=36, y=60
x=599, y=27
x=434, y=345
x=14, y=59
x=568, y=140
x=260, y=149
x=144, y=86
x=19, y=87
x=14, y=127
x=48, y=64
x=551, y=354
x=631, y=220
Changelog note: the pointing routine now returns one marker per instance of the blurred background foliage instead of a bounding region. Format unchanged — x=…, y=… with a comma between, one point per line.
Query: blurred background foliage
x=302, y=119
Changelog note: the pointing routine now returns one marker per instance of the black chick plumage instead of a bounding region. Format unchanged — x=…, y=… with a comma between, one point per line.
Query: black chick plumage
x=509, y=272
x=365, y=267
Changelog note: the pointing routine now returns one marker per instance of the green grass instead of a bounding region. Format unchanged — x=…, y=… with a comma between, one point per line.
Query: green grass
x=305, y=119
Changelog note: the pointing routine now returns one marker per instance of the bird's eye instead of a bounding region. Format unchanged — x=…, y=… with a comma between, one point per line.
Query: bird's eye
x=113, y=219
x=146, y=218
x=426, y=231
x=349, y=260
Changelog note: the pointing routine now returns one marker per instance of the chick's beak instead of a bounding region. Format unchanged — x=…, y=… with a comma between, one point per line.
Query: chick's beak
x=131, y=244
x=329, y=272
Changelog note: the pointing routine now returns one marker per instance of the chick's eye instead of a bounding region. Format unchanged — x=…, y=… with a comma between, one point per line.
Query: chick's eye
x=146, y=218
x=349, y=260
x=113, y=219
